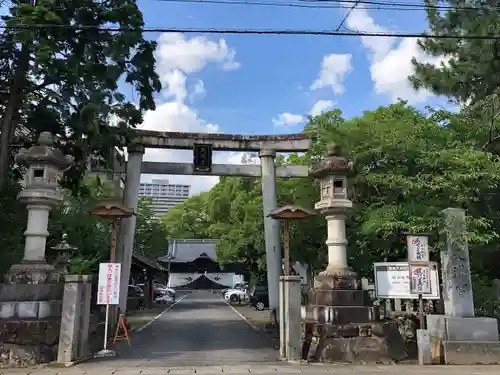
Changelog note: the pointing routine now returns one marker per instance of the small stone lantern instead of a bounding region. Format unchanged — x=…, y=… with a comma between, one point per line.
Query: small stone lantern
x=44, y=163
x=63, y=252
x=332, y=173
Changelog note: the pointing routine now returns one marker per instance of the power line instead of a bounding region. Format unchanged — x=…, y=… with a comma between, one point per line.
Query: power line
x=346, y=16
x=402, y=4
x=338, y=4
x=249, y=31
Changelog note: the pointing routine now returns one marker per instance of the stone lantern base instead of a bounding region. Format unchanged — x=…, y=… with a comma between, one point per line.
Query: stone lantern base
x=339, y=323
x=32, y=273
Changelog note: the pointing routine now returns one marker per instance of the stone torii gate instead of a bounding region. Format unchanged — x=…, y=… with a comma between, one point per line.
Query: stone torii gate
x=266, y=145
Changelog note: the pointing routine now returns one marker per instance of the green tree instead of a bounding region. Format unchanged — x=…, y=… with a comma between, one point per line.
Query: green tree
x=150, y=233
x=64, y=78
x=406, y=158
x=188, y=219
x=472, y=71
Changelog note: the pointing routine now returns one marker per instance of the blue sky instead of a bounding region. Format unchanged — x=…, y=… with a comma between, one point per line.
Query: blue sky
x=270, y=83
x=276, y=71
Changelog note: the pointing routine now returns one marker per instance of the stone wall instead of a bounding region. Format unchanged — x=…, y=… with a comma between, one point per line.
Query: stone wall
x=30, y=317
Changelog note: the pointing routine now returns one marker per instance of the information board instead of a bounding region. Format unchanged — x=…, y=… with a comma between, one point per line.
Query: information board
x=108, y=289
x=392, y=280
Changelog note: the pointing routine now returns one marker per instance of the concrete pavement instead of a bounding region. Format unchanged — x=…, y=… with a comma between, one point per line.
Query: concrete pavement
x=199, y=330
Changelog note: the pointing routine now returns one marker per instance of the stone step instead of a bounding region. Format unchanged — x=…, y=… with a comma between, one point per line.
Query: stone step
x=471, y=352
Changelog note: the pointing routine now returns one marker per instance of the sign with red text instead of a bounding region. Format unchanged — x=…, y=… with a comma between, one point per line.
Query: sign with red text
x=108, y=288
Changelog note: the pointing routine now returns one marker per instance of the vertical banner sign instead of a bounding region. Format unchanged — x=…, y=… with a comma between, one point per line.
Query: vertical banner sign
x=418, y=248
x=420, y=279
x=108, y=289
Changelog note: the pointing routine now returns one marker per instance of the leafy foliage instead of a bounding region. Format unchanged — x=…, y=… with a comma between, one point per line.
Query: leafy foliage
x=471, y=69
x=411, y=165
x=65, y=79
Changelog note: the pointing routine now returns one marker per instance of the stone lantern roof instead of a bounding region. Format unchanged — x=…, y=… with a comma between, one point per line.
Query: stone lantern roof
x=335, y=163
x=44, y=153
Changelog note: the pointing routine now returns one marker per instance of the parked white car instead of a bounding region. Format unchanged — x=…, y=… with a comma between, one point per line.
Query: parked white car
x=235, y=295
x=164, y=299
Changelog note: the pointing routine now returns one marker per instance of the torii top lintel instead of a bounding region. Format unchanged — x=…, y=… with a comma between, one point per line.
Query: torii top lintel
x=225, y=142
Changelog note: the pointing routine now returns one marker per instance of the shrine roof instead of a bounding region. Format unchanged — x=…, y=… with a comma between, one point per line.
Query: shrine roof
x=184, y=251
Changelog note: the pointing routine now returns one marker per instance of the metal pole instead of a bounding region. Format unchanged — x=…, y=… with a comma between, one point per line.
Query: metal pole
x=114, y=235
x=106, y=323
x=286, y=245
x=421, y=311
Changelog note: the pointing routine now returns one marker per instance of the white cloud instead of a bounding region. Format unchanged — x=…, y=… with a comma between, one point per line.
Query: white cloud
x=321, y=106
x=288, y=119
x=176, y=59
x=198, y=91
x=333, y=71
x=390, y=59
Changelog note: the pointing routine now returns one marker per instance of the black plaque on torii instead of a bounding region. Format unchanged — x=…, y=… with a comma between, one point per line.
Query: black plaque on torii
x=202, y=158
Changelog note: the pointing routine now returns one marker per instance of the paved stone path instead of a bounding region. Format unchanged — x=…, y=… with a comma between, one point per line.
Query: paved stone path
x=201, y=329
x=276, y=369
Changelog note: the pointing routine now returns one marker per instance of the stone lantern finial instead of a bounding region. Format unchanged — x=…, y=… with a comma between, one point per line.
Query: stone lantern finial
x=45, y=139
x=334, y=163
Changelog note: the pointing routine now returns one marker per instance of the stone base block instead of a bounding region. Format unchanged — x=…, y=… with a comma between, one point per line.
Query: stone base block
x=334, y=297
x=30, y=309
x=471, y=352
x=462, y=329
x=340, y=314
x=28, y=342
x=381, y=344
x=32, y=273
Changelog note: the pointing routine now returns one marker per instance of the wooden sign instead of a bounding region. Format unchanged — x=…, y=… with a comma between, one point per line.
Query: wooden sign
x=123, y=325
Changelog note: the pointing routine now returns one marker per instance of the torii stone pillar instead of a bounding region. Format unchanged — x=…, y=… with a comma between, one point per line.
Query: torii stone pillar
x=127, y=228
x=271, y=226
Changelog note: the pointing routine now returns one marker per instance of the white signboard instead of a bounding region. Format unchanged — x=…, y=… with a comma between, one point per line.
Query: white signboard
x=420, y=279
x=108, y=289
x=392, y=280
x=418, y=248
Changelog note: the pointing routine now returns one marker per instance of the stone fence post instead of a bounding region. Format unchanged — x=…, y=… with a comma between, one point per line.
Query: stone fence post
x=290, y=318
x=73, y=339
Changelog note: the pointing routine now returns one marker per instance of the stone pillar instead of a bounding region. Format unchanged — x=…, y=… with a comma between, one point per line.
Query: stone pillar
x=36, y=232
x=73, y=339
x=457, y=283
x=336, y=242
x=292, y=314
x=127, y=229
x=282, y=320
x=271, y=226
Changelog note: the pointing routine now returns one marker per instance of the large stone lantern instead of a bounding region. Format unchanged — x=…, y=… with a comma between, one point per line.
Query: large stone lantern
x=339, y=322
x=40, y=194
x=332, y=173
